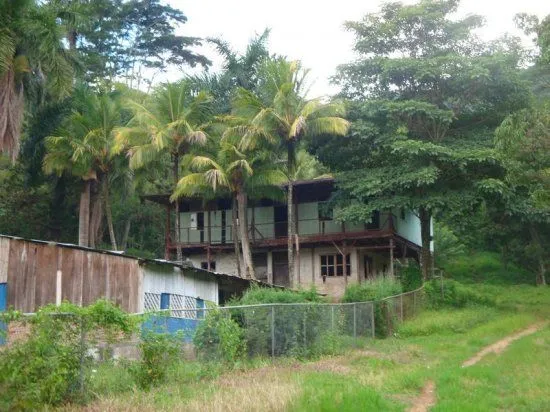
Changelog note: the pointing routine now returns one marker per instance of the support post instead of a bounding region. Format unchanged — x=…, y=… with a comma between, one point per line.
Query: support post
x=167, y=235
x=298, y=263
x=270, y=267
x=58, y=283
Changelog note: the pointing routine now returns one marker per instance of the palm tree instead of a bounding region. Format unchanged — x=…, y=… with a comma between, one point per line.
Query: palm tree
x=171, y=122
x=31, y=56
x=281, y=115
x=240, y=173
x=83, y=147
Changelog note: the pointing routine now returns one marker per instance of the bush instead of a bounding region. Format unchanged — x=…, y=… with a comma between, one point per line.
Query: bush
x=158, y=352
x=375, y=290
x=455, y=294
x=258, y=295
x=296, y=329
x=52, y=365
x=411, y=276
x=219, y=338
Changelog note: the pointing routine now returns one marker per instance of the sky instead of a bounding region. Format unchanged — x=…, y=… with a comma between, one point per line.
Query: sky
x=313, y=32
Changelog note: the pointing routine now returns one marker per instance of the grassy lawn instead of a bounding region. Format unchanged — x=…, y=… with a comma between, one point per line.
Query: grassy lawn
x=380, y=375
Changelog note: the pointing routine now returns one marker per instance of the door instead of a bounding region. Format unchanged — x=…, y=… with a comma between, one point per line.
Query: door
x=368, y=267
x=280, y=217
x=280, y=269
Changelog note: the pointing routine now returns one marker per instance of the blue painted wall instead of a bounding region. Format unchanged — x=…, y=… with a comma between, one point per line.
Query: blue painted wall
x=3, y=307
x=168, y=324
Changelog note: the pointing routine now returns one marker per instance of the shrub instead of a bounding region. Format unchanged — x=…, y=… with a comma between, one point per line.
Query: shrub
x=52, y=365
x=158, y=352
x=375, y=290
x=455, y=294
x=411, y=276
x=258, y=295
x=296, y=329
x=219, y=338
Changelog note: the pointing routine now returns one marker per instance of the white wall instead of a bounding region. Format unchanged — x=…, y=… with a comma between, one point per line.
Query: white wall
x=168, y=279
x=409, y=227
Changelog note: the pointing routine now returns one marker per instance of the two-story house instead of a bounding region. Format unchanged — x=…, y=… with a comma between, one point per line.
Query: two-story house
x=329, y=254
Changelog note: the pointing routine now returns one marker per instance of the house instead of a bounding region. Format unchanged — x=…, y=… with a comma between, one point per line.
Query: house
x=329, y=254
x=35, y=273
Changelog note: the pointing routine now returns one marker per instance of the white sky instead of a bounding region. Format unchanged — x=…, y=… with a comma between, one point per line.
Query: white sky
x=312, y=31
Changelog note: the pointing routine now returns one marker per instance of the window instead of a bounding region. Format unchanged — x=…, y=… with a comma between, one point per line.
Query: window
x=204, y=265
x=334, y=265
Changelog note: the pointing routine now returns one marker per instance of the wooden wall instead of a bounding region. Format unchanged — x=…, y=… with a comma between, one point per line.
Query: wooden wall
x=86, y=275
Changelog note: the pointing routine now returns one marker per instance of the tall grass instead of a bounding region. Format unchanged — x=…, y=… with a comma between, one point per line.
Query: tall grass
x=375, y=289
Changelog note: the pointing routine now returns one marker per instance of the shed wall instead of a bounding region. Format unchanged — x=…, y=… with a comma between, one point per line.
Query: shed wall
x=86, y=275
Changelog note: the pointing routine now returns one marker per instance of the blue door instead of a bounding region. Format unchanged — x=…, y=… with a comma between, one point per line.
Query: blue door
x=3, y=307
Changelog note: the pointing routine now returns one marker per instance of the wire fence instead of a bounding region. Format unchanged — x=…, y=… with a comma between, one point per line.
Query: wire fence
x=282, y=329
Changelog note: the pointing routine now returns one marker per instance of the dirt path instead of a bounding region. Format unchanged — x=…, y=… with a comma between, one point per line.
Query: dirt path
x=501, y=345
x=425, y=400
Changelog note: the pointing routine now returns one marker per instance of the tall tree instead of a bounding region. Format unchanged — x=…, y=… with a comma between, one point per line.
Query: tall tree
x=524, y=141
x=238, y=70
x=83, y=147
x=242, y=174
x=32, y=60
x=281, y=115
x=131, y=40
x=171, y=122
x=442, y=91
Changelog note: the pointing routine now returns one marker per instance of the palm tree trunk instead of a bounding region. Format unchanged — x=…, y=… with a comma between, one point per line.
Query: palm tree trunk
x=11, y=114
x=176, y=166
x=235, y=236
x=108, y=213
x=96, y=212
x=84, y=215
x=426, y=237
x=245, y=240
x=126, y=233
x=290, y=211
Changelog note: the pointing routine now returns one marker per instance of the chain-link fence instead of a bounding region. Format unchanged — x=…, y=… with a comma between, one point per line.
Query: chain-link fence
x=282, y=329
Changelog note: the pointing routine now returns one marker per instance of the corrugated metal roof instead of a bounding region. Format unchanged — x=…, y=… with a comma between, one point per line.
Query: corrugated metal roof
x=139, y=259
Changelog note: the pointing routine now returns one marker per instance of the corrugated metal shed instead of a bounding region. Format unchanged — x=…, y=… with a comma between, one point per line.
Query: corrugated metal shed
x=39, y=272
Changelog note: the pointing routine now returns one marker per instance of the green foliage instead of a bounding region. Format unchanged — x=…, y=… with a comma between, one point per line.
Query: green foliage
x=448, y=245
x=376, y=289
x=486, y=267
x=258, y=295
x=158, y=352
x=411, y=276
x=454, y=294
x=219, y=338
x=51, y=366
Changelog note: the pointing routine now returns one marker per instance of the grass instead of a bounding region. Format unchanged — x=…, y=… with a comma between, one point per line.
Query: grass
x=383, y=374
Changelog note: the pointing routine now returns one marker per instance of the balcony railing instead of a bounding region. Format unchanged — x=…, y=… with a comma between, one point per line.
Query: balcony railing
x=265, y=232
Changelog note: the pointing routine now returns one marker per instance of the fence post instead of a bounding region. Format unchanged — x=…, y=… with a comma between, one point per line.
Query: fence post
x=355, y=320
x=82, y=354
x=332, y=318
x=372, y=320
x=272, y=331
x=401, y=301
x=305, y=329
x=414, y=303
